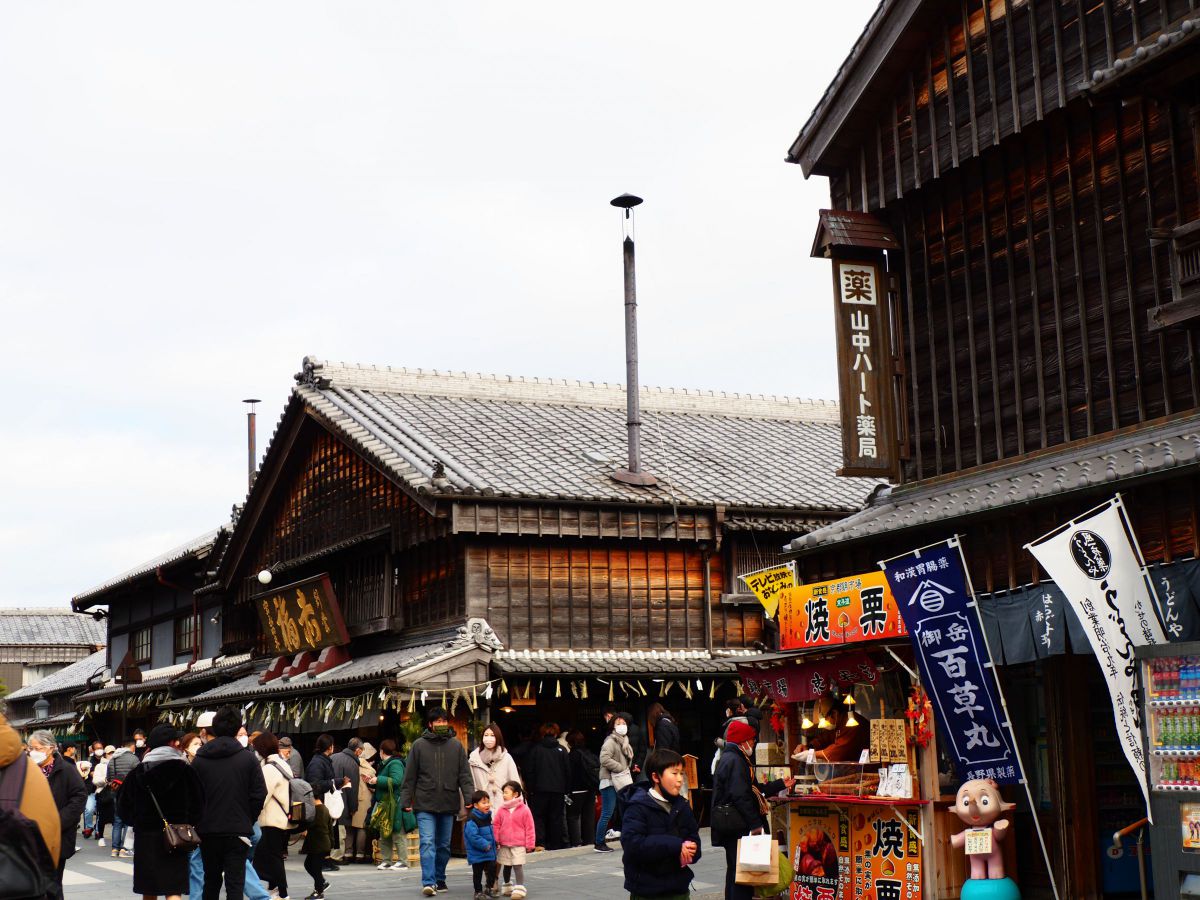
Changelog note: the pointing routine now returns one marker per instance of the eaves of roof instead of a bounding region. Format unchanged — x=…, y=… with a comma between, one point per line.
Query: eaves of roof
x=196, y=548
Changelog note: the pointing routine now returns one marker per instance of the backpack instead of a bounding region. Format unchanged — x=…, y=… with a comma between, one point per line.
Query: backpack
x=300, y=793
x=26, y=869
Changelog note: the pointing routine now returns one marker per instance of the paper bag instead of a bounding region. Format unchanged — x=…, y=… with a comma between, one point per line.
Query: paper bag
x=764, y=877
x=755, y=853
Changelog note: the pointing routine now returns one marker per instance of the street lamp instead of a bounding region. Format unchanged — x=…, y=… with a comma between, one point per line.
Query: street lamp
x=41, y=709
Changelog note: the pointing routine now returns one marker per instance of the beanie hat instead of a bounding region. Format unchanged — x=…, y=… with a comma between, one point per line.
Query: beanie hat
x=740, y=731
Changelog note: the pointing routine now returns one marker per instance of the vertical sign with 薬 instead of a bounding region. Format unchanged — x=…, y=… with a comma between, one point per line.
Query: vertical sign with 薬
x=864, y=369
x=932, y=594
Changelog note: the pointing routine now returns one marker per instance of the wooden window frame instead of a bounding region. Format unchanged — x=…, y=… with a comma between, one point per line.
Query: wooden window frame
x=185, y=637
x=136, y=641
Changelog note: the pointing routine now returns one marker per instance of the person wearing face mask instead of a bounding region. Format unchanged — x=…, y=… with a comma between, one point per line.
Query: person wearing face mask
x=35, y=800
x=492, y=766
x=163, y=786
x=66, y=786
x=616, y=757
x=190, y=744
x=737, y=801
x=139, y=743
x=437, y=786
x=123, y=762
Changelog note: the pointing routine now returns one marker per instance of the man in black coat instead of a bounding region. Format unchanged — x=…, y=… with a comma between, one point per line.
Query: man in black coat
x=234, y=792
x=345, y=769
x=66, y=786
x=548, y=781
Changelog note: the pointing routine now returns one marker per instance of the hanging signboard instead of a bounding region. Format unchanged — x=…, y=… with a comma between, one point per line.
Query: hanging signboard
x=801, y=682
x=842, y=611
x=1096, y=563
x=936, y=603
x=302, y=616
x=864, y=369
x=767, y=584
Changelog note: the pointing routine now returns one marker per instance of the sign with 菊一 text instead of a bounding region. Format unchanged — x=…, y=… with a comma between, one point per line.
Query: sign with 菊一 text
x=841, y=611
x=302, y=616
x=800, y=682
x=767, y=584
x=947, y=635
x=1096, y=563
x=864, y=369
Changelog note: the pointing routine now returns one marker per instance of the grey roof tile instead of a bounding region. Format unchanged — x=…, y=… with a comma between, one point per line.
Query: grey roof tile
x=54, y=627
x=459, y=434
x=196, y=547
x=72, y=678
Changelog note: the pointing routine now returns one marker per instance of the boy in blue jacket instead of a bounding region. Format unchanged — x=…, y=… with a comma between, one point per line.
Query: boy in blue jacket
x=659, y=834
x=481, y=845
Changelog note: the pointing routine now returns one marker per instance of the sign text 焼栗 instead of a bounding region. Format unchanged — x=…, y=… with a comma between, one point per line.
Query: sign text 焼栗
x=302, y=616
x=841, y=611
x=864, y=369
x=767, y=584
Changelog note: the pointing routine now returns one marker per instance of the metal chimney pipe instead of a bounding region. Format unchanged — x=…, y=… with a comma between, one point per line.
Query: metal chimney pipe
x=634, y=474
x=251, y=451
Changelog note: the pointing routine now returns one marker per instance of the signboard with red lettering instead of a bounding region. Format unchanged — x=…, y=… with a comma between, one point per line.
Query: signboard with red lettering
x=842, y=611
x=864, y=369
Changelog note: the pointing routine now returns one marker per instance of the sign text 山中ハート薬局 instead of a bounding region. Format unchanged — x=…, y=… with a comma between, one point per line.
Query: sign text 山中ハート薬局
x=841, y=611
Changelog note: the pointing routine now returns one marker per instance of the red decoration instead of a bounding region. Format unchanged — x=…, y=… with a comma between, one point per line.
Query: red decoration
x=919, y=715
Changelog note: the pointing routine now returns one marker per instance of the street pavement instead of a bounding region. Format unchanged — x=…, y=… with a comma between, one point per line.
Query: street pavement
x=579, y=874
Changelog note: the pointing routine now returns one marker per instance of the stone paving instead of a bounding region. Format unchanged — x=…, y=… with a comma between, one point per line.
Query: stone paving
x=578, y=874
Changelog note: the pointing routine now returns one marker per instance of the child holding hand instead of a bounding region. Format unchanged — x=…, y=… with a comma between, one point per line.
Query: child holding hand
x=481, y=844
x=515, y=836
x=659, y=833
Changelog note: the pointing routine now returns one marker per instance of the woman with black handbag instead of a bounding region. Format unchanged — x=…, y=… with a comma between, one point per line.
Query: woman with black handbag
x=162, y=793
x=738, y=807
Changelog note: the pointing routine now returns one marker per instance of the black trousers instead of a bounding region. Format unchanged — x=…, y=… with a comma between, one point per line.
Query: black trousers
x=478, y=870
x=581, y=818
x=314, y=865
x=734, y=891
x=224, y=857
x=268, y=858
x=547, y=809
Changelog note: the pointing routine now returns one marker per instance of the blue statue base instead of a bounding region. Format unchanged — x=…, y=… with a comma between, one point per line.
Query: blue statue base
x=990, y=889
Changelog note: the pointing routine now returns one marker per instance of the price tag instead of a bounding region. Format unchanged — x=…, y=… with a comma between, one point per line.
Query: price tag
x=979, y=841
x=811, y=758
x=864, y=757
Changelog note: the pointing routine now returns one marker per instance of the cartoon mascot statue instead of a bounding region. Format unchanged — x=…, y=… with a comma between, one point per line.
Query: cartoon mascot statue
x=979, y=805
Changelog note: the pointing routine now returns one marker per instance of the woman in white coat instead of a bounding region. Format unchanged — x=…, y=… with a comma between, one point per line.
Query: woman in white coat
x=492, y=766
x=268, y=856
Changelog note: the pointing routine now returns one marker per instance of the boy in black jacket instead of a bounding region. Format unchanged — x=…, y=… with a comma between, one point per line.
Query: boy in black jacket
x=659, y=834
x=234, y=792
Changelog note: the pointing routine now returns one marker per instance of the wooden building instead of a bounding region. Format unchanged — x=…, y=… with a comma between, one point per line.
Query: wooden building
x=35, y=643
x=59, y=690
x=1024, y=175
x=478, y=549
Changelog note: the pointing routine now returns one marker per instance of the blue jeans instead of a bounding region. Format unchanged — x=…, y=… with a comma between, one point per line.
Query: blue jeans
x=89, y=812
x=435, y=829
x=195, y=874
x=253, y=887
x=608, y=802
x=118, y=832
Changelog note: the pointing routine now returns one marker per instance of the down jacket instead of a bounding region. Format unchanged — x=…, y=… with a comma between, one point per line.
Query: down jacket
x=513, y=825
x=652, y=839
x=479, y=837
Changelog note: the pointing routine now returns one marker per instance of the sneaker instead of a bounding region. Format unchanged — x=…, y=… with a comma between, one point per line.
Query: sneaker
x=481, y=895
x=324, y=887
x=87, y=832
x=316, y=895
x=599, y=848
x=429, y=890
x=518, y=892
x=442, y=887
x=384, y=866
x=507, y=889
x=100, y=842
x=539, y=849
x=114, y=852
x=126, y=854
x=400, y=865
x=611, y=835
x=494, y=891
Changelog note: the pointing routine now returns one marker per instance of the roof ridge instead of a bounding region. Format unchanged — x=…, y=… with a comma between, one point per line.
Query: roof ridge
x=324, y=374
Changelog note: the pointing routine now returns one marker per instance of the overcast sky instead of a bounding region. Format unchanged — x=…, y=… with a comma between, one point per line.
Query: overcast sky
x=193, y=198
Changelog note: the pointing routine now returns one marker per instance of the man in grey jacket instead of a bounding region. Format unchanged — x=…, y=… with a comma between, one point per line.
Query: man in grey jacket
x=123, y=762
x=437, y=786
x=345, y=765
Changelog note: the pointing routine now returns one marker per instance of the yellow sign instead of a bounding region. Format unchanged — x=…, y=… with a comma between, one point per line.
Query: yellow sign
x=842, y=611
x=767, y=584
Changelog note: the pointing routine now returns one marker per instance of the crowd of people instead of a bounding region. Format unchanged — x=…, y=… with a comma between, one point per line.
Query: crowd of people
x=247, y=800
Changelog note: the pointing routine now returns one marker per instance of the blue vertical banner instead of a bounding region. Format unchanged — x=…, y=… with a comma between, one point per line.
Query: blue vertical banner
x=935, y=601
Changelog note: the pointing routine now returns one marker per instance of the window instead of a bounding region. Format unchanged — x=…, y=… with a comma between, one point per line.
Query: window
x=141, y=645
x=186, y=628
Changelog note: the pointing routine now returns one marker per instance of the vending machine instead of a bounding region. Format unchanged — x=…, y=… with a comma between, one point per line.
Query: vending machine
x=1170, y=675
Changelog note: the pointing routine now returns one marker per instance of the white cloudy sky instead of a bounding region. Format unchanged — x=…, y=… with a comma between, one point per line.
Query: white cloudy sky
x=193, y=197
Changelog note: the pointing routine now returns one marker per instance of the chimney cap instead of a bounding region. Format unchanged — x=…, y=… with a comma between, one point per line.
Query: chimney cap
x=626, y=201
x=252, y=400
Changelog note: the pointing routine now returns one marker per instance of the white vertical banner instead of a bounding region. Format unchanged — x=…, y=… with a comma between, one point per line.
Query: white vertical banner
x=1096, y=562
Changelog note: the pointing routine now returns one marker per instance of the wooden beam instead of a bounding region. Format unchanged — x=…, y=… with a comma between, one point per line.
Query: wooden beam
x=1056, y=287
x=950, y=101
x=1014, y=318
x=1035, y=55
x=1080, y=298
x=993, y=355
x=1151, y=222
x=914, y=380
x=1127, y=256
x=1035, y=297
x=1014, y=88
x=951, y=357
x=968, y=299
x=1102, y=260
x=974, y=111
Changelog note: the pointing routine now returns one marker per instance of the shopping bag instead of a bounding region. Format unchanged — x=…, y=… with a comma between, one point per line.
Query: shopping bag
x=335, y=803
x=751, y=860
x=786, y=874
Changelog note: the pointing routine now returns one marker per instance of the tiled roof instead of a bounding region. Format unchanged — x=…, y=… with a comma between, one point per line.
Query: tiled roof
x=55, y=627
x=616, y=662
x=196, y=547
x=374, y=668
x=73, y=678
x=1140, y=453
x=455, y=434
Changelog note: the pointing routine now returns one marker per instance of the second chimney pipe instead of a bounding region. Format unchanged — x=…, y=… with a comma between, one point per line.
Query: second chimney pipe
x=251, y=450
x=634, y=474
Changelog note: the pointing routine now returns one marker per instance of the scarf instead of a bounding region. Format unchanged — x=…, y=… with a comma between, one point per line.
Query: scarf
x=512, y=804
x=162, y=754
x=487, y=757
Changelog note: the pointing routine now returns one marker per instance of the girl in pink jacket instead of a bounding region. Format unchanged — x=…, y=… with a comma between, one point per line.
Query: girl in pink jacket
x=513, y=825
